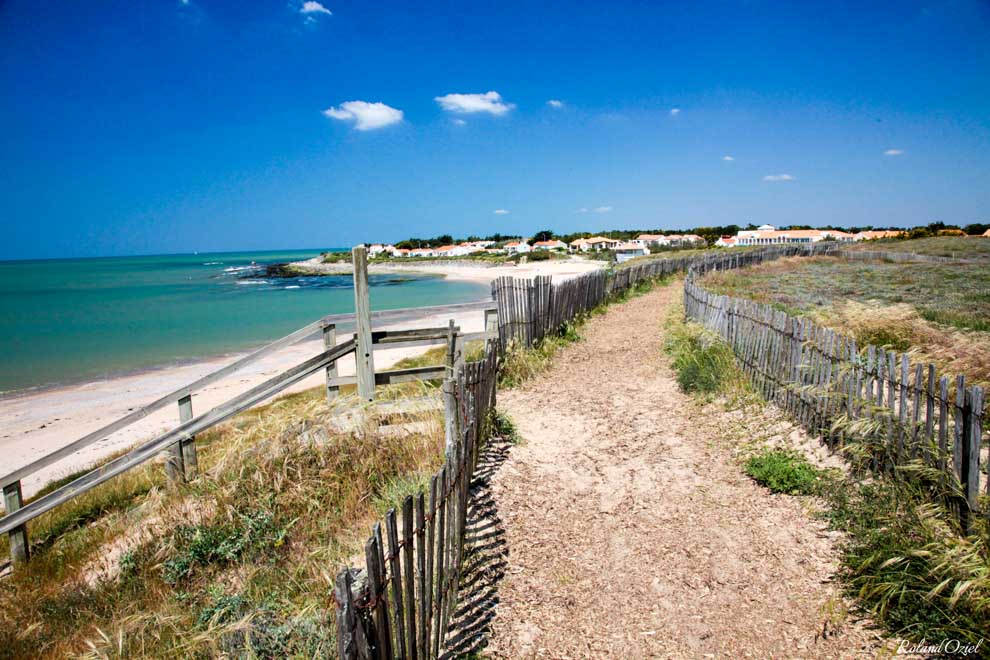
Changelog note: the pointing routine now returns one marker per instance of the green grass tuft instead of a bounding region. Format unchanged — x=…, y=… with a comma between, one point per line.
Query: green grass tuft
x=783, y=471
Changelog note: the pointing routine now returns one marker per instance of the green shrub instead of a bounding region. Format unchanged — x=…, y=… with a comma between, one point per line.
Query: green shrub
x=782, y=471
x=204, y=545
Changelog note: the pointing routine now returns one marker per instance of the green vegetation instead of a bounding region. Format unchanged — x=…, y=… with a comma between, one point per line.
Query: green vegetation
x=703, y=362
x=235, y=563
x=939, y=311
x=782, y=471
x=907, y=564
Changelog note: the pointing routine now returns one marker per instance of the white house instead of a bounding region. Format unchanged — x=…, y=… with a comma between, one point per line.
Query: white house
x=651, y=239
x=627, y=251
x=452, y=251
x=375, y=250
x=517, y=247
x=726, y=241
x=550, y=245
x=422, y=252
x=779, y=237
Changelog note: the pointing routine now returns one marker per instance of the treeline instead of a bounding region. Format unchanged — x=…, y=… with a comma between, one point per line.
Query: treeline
x=447, y=239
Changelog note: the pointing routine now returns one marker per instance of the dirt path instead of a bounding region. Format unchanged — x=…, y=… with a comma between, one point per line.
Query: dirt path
x=632, y=534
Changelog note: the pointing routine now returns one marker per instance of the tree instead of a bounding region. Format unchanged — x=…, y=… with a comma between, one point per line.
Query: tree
x=543, y=235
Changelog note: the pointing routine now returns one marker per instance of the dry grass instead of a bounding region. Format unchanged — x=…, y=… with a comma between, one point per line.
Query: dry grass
x=963, y=247
x=238, y=562
x=939, y=312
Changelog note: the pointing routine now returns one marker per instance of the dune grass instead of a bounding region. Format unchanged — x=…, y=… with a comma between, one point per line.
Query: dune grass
x=940, y=312
x=962, y=247
x=238, y=562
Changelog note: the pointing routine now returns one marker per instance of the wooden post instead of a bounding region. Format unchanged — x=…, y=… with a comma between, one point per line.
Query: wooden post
x=174, y=471
x=329, y=341
x=449, y=413
x=364, y=355
x=491, y=324
x=18, y=538
x=190, y=462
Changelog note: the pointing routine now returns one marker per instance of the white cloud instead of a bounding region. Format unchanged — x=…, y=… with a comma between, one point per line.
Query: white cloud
x=500, y=212
x=366, y=116
x=554, y=103
x=778, y=177
x=311, y=8
x=674, y=112
x=457, y=121
x=490, y=102
x=894, y=152
x=583, y=209
x=727, y=158
x=602, y=209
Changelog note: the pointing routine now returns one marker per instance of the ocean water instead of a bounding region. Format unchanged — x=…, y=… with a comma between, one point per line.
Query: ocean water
x=71, y=320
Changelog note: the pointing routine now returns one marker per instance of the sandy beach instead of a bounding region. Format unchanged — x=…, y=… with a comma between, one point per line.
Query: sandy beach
x=474, y=271
x=37, y=423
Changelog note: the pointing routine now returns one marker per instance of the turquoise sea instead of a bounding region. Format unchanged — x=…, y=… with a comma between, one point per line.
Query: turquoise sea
x=71, y=320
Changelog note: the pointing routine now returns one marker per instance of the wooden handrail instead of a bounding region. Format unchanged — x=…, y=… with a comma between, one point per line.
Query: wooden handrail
x=149, y=449
x=187, y=390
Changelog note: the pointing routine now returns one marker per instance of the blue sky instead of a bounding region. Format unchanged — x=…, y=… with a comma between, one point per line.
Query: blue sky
x=170, y=127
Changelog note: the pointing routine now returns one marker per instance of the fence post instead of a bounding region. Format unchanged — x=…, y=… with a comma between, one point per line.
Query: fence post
x=491, y=325
x=20, y=551
x=190, y=462
x=450, y=421
x=174, y=470
x=364, y=360
x=329, y=341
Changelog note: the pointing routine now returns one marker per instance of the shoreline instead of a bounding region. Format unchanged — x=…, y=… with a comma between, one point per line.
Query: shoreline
x=38, y=421
x=465, y=270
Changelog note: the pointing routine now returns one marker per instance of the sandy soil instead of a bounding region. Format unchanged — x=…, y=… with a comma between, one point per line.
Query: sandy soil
x=632, y=531
x=467, y=270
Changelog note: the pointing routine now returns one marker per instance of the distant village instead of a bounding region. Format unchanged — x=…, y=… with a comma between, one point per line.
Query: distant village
x=628, y=248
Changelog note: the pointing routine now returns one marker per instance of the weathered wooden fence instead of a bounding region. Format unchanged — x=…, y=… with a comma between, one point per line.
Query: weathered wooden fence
x=529, y=310
x=895, y=411
x=401, y=605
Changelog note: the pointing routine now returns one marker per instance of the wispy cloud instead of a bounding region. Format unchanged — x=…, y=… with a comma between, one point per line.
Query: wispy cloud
x=674, y=112
x=894, y=152
x=312, y=8
x=457, y=121
x=602, y=209
x=554, y=103
x=778, y=177
x=583, y=209
x=366, y=116
x=727, y=158
x=490, y=102
x=501, y=212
